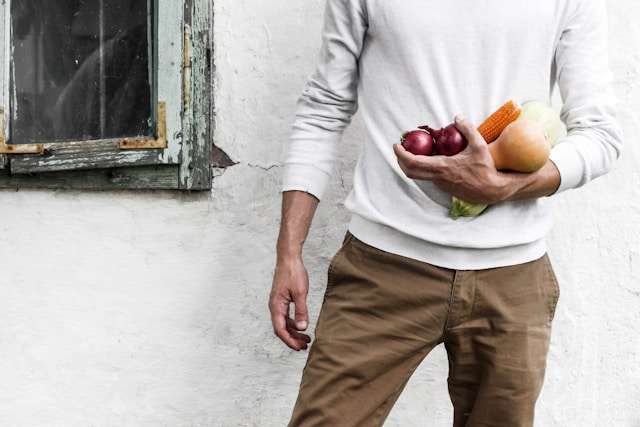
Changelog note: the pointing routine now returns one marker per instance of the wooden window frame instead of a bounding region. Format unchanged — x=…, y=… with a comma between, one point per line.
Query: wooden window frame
x=179, y=157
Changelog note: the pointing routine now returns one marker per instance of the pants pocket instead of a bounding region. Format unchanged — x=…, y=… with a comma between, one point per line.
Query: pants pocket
x=335, y=259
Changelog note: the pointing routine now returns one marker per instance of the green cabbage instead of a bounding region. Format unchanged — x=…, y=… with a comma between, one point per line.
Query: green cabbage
x=548, y=117
x=460, y=208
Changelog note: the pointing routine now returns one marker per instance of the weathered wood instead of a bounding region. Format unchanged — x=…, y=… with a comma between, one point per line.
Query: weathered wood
x=4, y=77
x=5, y=67
x=161, y=177
x=195, y=170
x=82, y=155
x=170, y=24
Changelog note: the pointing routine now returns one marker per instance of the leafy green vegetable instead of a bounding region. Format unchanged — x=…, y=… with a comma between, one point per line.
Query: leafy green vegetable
x=460, y=208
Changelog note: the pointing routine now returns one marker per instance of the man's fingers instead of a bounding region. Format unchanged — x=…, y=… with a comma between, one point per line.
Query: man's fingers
x=469, y=131
x=303, y=339
x=286, y=336
x=418, y=167
x=301, y=312
x=279, y=314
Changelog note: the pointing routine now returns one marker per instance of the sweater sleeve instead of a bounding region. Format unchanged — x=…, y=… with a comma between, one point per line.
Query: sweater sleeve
x=328, y=101
x=594, y=139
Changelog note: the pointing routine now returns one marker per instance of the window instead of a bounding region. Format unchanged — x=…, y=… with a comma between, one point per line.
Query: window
x=105, y=94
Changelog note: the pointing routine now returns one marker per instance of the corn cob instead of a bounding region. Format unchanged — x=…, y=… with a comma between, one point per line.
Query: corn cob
x=491, y=128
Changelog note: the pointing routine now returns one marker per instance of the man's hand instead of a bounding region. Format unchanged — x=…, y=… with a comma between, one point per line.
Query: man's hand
x=290, y=285
x=290, y=278
x=470, y=175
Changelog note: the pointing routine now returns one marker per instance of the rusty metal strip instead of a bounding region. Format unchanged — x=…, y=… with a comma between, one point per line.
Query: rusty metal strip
x=149, y=143
x=16, y=148
x=186, y=66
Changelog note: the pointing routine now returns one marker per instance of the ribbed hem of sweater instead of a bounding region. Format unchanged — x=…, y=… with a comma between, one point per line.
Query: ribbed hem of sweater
x=391, y=240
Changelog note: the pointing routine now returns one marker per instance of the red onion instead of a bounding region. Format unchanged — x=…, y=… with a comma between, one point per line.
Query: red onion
x=448, y=141
x=419, y=142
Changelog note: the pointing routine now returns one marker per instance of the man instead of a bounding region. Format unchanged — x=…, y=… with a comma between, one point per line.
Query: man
x=407, y=276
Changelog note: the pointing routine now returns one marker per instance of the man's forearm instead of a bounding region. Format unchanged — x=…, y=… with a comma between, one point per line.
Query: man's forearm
x=298, y=208
x=520, y=186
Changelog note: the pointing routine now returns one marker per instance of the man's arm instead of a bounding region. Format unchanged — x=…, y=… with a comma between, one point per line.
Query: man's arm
x=290, y=279
x=328, y=101
x=298, y=208
x=324, y=110
x=519, y=186
x=594, y=140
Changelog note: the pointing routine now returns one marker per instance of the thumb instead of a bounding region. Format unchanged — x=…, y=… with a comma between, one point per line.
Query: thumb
x=301, y=312
x=469, y=131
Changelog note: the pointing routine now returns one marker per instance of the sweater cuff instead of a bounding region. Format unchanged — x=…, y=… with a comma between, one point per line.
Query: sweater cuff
x=304, y=177
x=569, y=162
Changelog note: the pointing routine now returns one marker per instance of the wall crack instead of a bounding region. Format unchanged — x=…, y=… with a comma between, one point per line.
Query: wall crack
x=265, y=168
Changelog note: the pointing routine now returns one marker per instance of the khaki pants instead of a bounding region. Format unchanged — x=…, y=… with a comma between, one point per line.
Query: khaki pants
x=383, y=313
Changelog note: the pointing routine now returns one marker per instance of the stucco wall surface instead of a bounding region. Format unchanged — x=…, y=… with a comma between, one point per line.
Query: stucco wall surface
x=150, y=309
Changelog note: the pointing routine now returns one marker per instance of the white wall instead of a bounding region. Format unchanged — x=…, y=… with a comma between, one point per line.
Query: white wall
x=150, y=309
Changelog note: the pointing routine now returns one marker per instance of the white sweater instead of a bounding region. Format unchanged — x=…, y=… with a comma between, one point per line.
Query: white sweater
x=405, y=63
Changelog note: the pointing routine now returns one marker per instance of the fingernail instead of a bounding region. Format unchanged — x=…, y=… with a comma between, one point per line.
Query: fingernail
x=302, y=325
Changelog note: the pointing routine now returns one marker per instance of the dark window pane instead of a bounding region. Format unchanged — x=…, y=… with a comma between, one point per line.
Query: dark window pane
x=82, y=70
